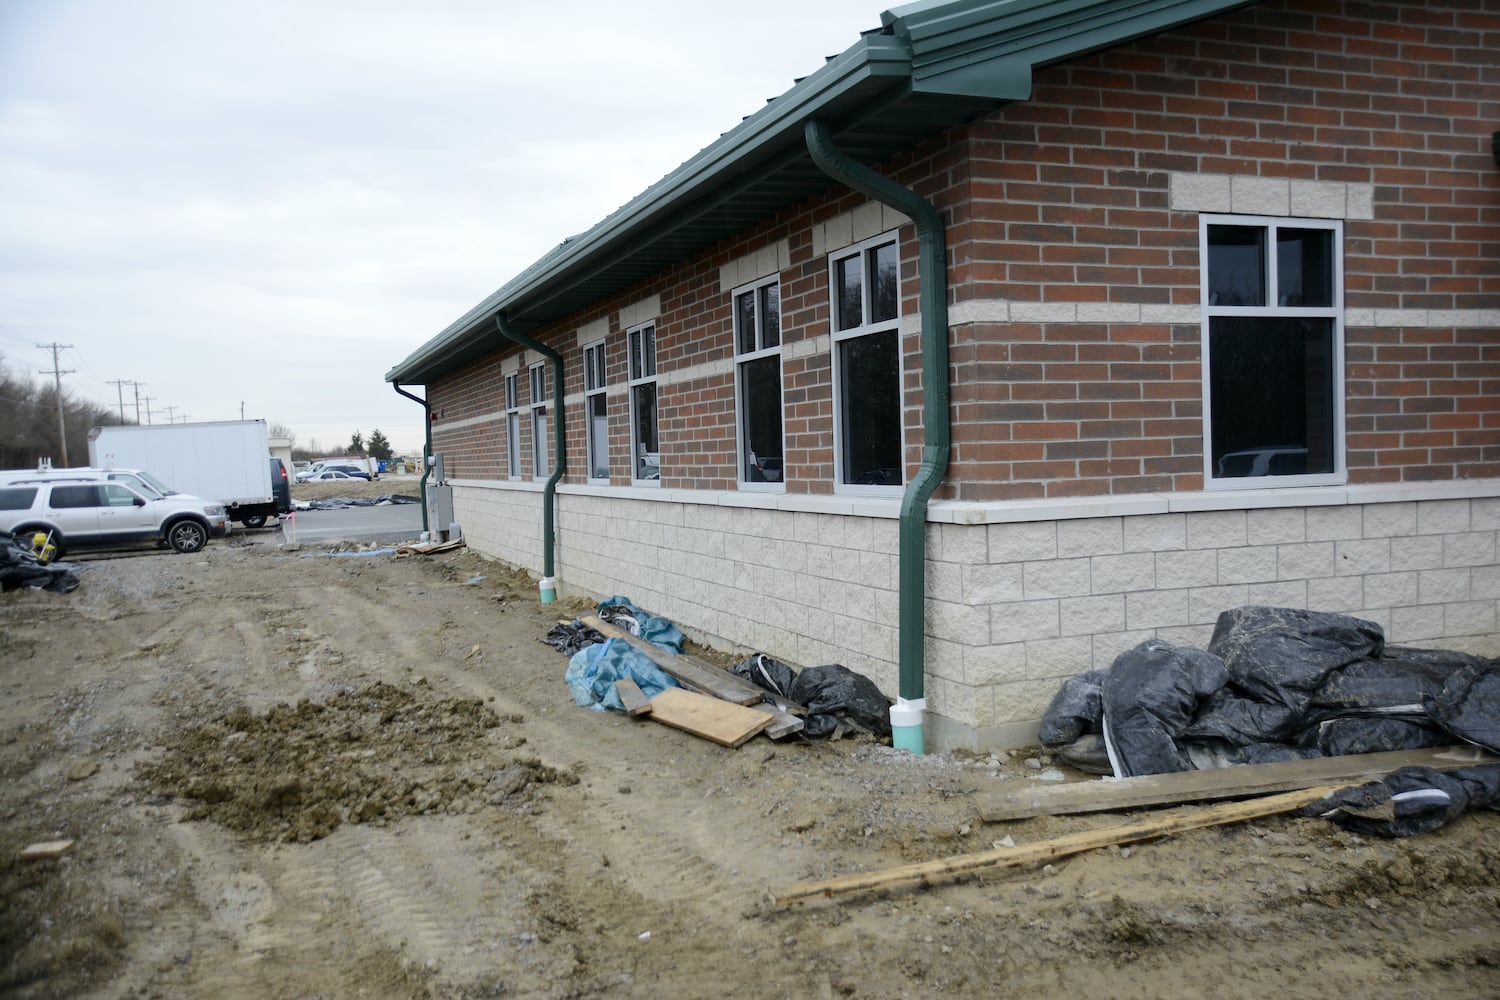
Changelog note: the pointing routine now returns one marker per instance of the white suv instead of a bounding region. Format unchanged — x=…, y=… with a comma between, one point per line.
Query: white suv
x=99, y=514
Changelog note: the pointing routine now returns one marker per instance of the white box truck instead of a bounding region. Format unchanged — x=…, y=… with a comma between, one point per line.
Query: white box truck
x=225, y=460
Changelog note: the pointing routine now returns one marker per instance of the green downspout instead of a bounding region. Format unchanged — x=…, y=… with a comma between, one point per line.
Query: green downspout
x=426, y=452
x=548, y=585
x=932, y=273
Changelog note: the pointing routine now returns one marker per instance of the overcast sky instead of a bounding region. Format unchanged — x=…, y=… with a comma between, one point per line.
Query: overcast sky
x=268, y=205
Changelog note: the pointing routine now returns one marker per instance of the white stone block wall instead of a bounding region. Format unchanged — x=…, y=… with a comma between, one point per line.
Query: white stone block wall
x=1015, y=608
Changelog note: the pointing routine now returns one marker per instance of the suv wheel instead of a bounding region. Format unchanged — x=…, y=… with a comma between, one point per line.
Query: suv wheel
x=187, y=536
x=23, y=535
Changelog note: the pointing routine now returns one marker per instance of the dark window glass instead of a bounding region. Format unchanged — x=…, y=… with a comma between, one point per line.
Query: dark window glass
x=19, y=498
x=883, y=304
x=744, y=321
x=851, y=292
x=75, y=496
x=760, y=396
x=1236, y=266
x=869, y=376
x=647, y=458
x=598, y=437
x=770, y=311
x=648, y=339
x=1271, y=394
x=1304, y=267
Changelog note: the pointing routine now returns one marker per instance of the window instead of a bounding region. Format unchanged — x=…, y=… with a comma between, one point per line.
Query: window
x=596, y=411
x=513, y=425
x=20, y=498
x=866, y=298
x=539, y=466
x=71, y=497
x=1273, y=348
x=645, y=456
x=116, y=495
x=757, y=363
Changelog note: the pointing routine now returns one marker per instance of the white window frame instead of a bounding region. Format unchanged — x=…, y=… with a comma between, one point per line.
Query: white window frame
x=758, y=353
x=1334, y=312
x=513, y=425
x=641, y=372
x=595, y=386
x=541, y=468
x=867, y=327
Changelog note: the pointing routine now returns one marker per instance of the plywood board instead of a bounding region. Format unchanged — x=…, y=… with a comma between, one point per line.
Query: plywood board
x=632, y=697
x=1221, y=783
x=709, y=717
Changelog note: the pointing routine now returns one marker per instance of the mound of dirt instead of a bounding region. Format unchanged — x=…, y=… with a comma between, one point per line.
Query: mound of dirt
x=367, y=756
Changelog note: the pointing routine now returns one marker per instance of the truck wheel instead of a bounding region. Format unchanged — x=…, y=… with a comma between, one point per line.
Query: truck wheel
x=187, y=536
x=255, y=521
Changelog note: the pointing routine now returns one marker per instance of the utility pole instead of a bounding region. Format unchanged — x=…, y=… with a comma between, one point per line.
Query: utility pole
x=168, y=410
x=57, y=373
x=148, y=400
x=120, y=384
x=138, y=401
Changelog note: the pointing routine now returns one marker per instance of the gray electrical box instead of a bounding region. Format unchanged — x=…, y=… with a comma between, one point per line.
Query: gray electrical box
x=439, y=510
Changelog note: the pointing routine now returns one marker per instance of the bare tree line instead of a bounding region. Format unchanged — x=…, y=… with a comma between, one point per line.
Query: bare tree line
x=28, y=422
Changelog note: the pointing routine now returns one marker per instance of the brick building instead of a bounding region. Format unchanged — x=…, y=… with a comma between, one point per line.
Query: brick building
x=1220, y=283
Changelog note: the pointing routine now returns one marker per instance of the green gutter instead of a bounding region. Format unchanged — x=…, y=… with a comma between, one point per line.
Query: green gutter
x=426, y=452
x=932, y=273
x=548, y=585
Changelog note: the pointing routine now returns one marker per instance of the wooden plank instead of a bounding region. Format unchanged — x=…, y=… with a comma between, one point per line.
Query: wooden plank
x=632, y=697
x=727, y=687
x=45, y=849
x=709, y=717
x=786, y=705
x=1220, y=783
x=934, y=872
x=783, y=724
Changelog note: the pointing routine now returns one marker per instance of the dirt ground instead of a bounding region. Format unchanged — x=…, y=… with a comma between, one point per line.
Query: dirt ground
x=295, y=775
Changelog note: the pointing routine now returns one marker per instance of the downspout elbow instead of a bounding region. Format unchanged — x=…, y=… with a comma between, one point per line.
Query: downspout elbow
x=426, y=451
x=906, y=714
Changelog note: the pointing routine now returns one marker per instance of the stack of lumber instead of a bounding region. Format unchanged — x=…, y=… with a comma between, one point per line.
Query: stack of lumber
x=712, y=703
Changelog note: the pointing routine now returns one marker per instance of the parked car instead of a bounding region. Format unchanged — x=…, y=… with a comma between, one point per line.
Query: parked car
x=352, y=471
x=327, y=475
x=76, y=514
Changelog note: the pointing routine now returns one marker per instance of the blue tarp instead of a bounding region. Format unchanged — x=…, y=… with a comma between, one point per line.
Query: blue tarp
x=593, y=670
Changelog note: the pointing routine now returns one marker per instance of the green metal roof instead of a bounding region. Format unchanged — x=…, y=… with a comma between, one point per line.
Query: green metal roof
x=932, y=65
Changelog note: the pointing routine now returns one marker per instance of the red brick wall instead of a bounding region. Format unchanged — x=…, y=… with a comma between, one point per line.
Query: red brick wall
x=1064, y=199
x=1069, y=203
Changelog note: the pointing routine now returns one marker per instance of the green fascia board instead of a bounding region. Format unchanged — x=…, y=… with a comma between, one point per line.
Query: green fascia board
x=876, y=64
x=989, y=48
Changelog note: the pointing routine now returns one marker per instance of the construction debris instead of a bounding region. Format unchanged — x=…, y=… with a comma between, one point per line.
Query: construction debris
x=928, y=873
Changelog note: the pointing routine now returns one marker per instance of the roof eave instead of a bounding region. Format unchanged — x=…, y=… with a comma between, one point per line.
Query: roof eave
x=874, y=64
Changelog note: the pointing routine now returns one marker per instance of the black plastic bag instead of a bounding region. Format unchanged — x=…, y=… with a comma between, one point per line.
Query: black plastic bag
x=1469, y=704
x=19, y=567
x=1411, y=801
x=766, y=673
x=835, y=692
x=1076, y=710
x=1151, y=693
x=569, y=637
x=1283, y=654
